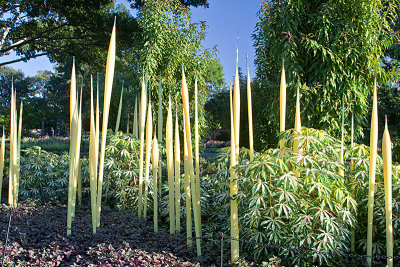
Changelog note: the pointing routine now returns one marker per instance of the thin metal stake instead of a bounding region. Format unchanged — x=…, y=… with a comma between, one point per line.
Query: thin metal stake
x=5, y=247
x=222, y=249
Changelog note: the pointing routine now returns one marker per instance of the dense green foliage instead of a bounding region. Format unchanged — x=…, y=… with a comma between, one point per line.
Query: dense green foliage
x=171, y=40
x=44, y=175
x=316, y=210
x=122, y=171
x=187, y=3
x=333, y=47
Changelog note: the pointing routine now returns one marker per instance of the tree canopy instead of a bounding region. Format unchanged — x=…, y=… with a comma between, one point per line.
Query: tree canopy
x=164, y=37
x=332, y=47
x=61, y=29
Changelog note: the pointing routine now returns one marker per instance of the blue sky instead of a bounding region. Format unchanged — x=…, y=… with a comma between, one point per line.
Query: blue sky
x=225, y=18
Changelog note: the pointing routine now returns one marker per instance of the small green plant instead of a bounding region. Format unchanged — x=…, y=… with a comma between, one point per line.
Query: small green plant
x=122, y=171
x=44, y=175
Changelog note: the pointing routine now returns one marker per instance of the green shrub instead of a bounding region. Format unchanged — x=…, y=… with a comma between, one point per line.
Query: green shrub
x=44, y=175
x=316, y=210
x=122, y=172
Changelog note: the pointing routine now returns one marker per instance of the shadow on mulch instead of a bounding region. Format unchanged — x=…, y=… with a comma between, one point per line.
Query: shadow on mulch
x=38, y=237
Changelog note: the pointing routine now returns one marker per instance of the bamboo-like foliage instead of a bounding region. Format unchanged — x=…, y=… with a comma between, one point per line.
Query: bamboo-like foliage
x=177, y=152
x=170, y=167
x=282, y=104
x=297, y=126
x=149, y=134
x=119, y=110
x=93, y=158
x=196, y=150
x=154, y=160
x=352, y=165
x=185, y=101
x=234, y=177
x=2, y=152
x=250, y=111
x=187, y=190
x=135, y=121
x=341, y=172
x=106, y=108
x=142, y=117
x=352, y=141
x=387, y=171
x=372, y=169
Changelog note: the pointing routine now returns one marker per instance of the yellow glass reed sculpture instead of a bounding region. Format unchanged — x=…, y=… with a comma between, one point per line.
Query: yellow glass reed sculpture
x=170, y=166
x=154, y=160
x=119, y=110
x=387, y=171
x=372, y=170
x=177, y=153
x=196, y=149
x=135, y=121
x=93, y=160
x=160, y=130
x=149, y=134
x=187, y=190
x=249, y=111
x=185, y=101
x=110, y=65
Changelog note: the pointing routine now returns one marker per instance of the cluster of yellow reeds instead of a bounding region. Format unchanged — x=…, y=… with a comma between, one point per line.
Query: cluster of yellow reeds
x=96, y=171
x=15, y=144
x=387, y=170
x=196, y=203
x=74, y=151
x=235, y=132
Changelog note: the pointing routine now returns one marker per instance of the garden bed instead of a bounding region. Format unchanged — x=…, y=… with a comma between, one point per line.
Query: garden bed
x=38, y=238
